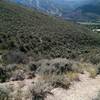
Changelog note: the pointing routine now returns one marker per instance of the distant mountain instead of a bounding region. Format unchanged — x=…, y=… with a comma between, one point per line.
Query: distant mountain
x=55, y=7
x=50, y=6
x=78, y=10
x=90, y=12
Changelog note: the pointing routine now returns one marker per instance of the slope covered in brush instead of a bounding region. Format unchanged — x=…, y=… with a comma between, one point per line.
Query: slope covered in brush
x=41, y=35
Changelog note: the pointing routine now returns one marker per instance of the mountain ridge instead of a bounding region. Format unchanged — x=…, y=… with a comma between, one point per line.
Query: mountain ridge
x=65, y=8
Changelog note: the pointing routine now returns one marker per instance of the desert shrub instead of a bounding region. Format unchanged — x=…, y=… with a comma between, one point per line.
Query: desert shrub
x=32, y=67
x=93, y=71
x=98, y=97
x=4, y=93
x=40, y=90
x=54, y=67
x=13, y=57
x=57, y=81
x=77, y=68
x=18, y=95
x=11, y=67
x=95, y=59
x=98, y=68
x=3, y=74
x=46, y=84
x=16, y=72
x=11, y=72
x=72, y=76
x=58, y=66
x=18, y=75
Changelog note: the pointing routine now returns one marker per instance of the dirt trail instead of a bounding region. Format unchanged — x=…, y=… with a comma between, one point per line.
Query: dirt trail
x=86, y=89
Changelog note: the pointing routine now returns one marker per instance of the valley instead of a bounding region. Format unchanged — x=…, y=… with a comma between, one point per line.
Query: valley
x=94, y=26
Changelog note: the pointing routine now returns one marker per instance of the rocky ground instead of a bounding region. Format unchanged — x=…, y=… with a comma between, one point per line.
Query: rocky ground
x=86, y=89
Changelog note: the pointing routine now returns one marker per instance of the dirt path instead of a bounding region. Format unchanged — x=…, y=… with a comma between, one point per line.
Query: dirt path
x=86, y=89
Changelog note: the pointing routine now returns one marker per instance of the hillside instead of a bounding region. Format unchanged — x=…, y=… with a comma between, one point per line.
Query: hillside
x=42, y=36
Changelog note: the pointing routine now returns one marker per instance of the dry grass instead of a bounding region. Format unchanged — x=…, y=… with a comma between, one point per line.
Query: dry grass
x=92, y=69
x=40, y=90
x=18, y=95
x=72, y=76
x=93, y=72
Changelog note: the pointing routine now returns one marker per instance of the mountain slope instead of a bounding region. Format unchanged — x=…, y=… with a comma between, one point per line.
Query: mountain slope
x=41, y=35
